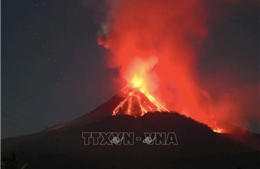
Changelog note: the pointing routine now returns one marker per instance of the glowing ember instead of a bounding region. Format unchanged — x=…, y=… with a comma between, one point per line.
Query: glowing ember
x=218, y=130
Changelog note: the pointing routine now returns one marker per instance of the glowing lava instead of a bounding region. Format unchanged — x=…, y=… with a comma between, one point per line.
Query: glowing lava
x=218, y=130
x=137, y=101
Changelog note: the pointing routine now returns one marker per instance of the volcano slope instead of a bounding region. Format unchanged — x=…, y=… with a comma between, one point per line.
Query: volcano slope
x=62, y=146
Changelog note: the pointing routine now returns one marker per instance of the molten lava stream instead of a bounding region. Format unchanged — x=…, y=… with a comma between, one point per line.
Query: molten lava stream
x=137, y=102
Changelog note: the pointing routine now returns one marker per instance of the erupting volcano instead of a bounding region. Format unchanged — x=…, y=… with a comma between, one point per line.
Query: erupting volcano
x=155, y=46
x=165, y=112
x=137, y=102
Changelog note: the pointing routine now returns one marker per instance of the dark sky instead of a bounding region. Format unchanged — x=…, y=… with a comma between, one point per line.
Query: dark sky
x=54, y=71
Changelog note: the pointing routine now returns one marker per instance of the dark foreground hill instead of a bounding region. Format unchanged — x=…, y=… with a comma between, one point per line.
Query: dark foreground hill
x=198, y=146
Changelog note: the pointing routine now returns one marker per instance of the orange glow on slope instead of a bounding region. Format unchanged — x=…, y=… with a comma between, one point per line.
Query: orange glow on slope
x=218, y=130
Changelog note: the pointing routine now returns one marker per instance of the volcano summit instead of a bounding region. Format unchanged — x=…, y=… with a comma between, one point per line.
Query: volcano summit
x=137, y=102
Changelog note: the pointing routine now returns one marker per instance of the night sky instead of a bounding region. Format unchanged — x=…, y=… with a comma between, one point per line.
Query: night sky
x=53, y=70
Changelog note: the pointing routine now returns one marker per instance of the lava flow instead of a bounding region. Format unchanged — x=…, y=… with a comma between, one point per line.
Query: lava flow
x=137, y=101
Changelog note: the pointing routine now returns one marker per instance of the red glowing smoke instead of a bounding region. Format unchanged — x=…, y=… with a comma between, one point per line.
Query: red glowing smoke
x=157, y=43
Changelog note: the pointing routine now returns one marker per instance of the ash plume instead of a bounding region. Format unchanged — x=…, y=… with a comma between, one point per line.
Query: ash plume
x=171, y=33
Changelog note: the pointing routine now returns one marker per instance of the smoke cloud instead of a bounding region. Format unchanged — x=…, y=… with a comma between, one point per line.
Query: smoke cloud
x=161, y=40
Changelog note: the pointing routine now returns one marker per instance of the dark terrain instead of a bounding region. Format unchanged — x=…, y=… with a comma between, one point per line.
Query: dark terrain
x=62, y=146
